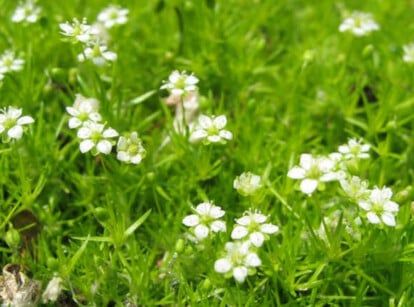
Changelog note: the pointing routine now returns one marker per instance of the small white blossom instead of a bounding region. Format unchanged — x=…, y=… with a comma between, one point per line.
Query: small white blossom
x=211, y=130
x=98, y=54
x=408, y=53
x=9, y=63
x=247, y=183
x=11, y=122
x=52, y=291
x=379, y=207
x=312, y=171
x=253, y=227
x=130, y=149
x=77, y=31
x=206, y=219
x=94, y=137
x=180, y=84
x=83, y=110
x=239, y=262
x=26, y=12
x=113, y=15
x=355, y=149
x=359, y=23
x=355, y=188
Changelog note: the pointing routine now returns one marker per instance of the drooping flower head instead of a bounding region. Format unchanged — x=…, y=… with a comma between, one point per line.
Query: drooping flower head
x=83, y=110
x=379, y=207
x=252, y=228
x=239, y=261
x=247, y=183
x=211, y=130
x=130, y=149
x=96, y=138
x=26, y=12
x=12, y=122
x=312, y=171
x=113, y=15
x=53, y=290
x=206, y=219
x=180, y=84
x=359, y=24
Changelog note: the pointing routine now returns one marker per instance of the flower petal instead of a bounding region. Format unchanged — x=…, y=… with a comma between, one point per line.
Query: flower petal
x=308, y=186
x=15, y=132
x=240, y=273
x=218, y=226
x=256, y=238
x=86, y=145
x=201, y=232
x=239, y=232
x=373, y=218
x=222, y=265
x=388, y=219
x=191, y=220
x=24, y=120
x=296, y=173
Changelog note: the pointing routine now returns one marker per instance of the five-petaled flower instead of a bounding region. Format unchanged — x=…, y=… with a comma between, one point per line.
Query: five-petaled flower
x=354, y=149
x=77, y=31
x=130, y=149
x=252, y=228
x=83, y=110
x=26, y=12
x=113, y=15
x=98, y=54
x=380, y=207
x=247, y=183
x=359, y=23
x=96, y=138
x=239, y=262
x=211, y=130
x=312, y=171
x=9, y=63
x=206, y=219
x=11, y=122
x=180, y=84
x=355, y=188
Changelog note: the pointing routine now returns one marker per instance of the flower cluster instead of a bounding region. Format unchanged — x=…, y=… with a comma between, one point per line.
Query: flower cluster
x=12, y=122
x=313, y=172
x=184, y=95
x=96, y=137
x=94, y=38
x=9, y=63
x=359, y=24
x=27, y=12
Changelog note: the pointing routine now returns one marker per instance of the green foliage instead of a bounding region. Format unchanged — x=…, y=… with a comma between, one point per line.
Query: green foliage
x=288, y=81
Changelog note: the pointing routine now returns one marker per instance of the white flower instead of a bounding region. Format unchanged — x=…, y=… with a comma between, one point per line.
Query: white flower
x=206, y=219
x=408, y=53
x=95, y=137
x=180, y=83
x=113, y=15
x=98, y=54
x=11, y=122
x=379, y=207
x=252, y=227
x=77, y=31
x=83, y=110
x=26, y=12
x=312, y=171
x=130, y=149
x=239, y=262
x=8, y=63
x=359, y=24
x=355, y=149
x=355, y=188
x=211, y=130
x=52, y=291
x=247, y=183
